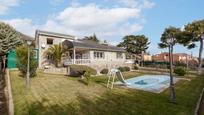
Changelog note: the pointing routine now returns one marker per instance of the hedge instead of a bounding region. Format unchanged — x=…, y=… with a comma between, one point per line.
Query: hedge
x=79, y=70
x=180, y=71
x=123, y=69
x=104, y=71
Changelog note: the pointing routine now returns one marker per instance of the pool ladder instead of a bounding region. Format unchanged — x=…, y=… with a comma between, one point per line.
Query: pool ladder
x=111, y=80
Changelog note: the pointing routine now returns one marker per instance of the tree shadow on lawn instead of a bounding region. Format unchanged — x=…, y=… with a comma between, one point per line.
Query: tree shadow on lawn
x=111, y=103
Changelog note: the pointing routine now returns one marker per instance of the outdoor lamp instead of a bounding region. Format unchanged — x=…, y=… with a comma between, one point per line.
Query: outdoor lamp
x=28, y=64
x=29, y=42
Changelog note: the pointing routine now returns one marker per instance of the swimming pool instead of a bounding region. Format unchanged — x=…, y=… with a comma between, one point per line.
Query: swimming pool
x=151, y=83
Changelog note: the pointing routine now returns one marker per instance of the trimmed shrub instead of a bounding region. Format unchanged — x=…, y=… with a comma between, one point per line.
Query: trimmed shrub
x=87, y=75
x=180, y=71
x=22, y=60
x=123, y=69
x=135, y=67
x=127, y=68
x=79, y=70
x=104, y=71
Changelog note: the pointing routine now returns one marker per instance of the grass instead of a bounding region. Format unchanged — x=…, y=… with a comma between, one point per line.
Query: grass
x=201, y=111
x=61, y=95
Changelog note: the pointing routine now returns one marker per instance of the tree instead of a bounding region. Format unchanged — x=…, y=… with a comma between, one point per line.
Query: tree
x=9, y=39
x=135, y=44
x=168, y=39
x=92, y=38
x=22, y=61
x=55, y=51
x=194, y=32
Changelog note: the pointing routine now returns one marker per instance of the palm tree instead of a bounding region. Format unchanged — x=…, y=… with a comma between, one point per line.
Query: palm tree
x=194, y=32
x=56, y=51
x=169, y=39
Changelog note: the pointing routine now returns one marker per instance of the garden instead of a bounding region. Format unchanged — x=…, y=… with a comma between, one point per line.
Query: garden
x=62, y=95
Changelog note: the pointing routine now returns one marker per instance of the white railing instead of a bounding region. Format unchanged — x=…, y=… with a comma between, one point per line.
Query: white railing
x=130, y=61
x=77, y=61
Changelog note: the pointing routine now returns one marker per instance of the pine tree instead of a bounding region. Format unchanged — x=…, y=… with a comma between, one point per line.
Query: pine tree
x=9, y=39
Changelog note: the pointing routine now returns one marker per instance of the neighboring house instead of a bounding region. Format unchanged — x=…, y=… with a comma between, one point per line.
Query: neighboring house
x=147, y=57
x=182, y=57
x=162, y=57
x=177, y=57
x=81, y=52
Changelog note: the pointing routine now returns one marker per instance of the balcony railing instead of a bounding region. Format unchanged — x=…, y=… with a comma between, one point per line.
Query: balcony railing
x=77, y=61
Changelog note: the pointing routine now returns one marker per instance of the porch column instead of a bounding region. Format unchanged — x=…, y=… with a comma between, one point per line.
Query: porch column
x=74, y=60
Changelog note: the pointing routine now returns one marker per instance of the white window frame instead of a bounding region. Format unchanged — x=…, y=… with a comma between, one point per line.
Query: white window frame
x=99, y=55
x=119, y=55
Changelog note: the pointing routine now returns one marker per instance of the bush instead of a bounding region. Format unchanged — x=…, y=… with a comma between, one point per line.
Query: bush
x=123, y=69
x=87, y=75
x=180, y=71
x=127, y=68
x=104, y=71
x=79, y=70
x=22, y=60
x=135, y=67
x=180, y=64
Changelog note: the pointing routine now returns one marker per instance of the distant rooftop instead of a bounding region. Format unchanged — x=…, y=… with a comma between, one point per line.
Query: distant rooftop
x=54, y=34
x=91, y=45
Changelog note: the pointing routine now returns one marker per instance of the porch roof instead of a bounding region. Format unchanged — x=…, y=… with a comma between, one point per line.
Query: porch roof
x=91, y=45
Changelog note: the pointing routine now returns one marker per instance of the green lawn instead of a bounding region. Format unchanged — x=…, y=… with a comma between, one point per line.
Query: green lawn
x=61, y=95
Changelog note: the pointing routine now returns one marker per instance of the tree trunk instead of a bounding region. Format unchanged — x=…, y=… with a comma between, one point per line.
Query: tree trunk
x=172, y=90
x=200, y=57
x=4, y=64
x=142, y=55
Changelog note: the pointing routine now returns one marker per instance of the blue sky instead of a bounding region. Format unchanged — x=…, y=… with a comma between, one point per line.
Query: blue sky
x=109, y=19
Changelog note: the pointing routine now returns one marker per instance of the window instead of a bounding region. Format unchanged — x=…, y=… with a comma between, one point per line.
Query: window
x=49, y=41
x=119, y=55
x=99, y=55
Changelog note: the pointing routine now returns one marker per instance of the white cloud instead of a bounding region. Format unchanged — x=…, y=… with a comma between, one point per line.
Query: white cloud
x=89, y=19
x=137, y=3
x=84, y=20
x=5, y=5
x=23, y=25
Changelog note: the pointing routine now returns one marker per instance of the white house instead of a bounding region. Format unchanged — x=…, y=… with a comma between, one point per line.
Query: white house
x=81, y=52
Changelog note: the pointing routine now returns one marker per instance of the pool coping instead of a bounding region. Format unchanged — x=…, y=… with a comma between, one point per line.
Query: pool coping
x=165, y=87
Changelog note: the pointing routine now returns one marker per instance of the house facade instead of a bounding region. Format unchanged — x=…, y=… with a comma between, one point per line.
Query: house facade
x=147, y=57
x=80, y=52
x=43, y=40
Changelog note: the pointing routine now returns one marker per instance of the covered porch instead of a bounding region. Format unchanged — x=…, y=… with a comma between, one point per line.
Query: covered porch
x=77, y=53
x=77, y=56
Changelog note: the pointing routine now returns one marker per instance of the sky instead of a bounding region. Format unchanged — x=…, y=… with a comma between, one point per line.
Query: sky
x=110, y=20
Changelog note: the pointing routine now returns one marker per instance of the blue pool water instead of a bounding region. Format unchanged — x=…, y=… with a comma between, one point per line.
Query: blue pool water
x=151, y=83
